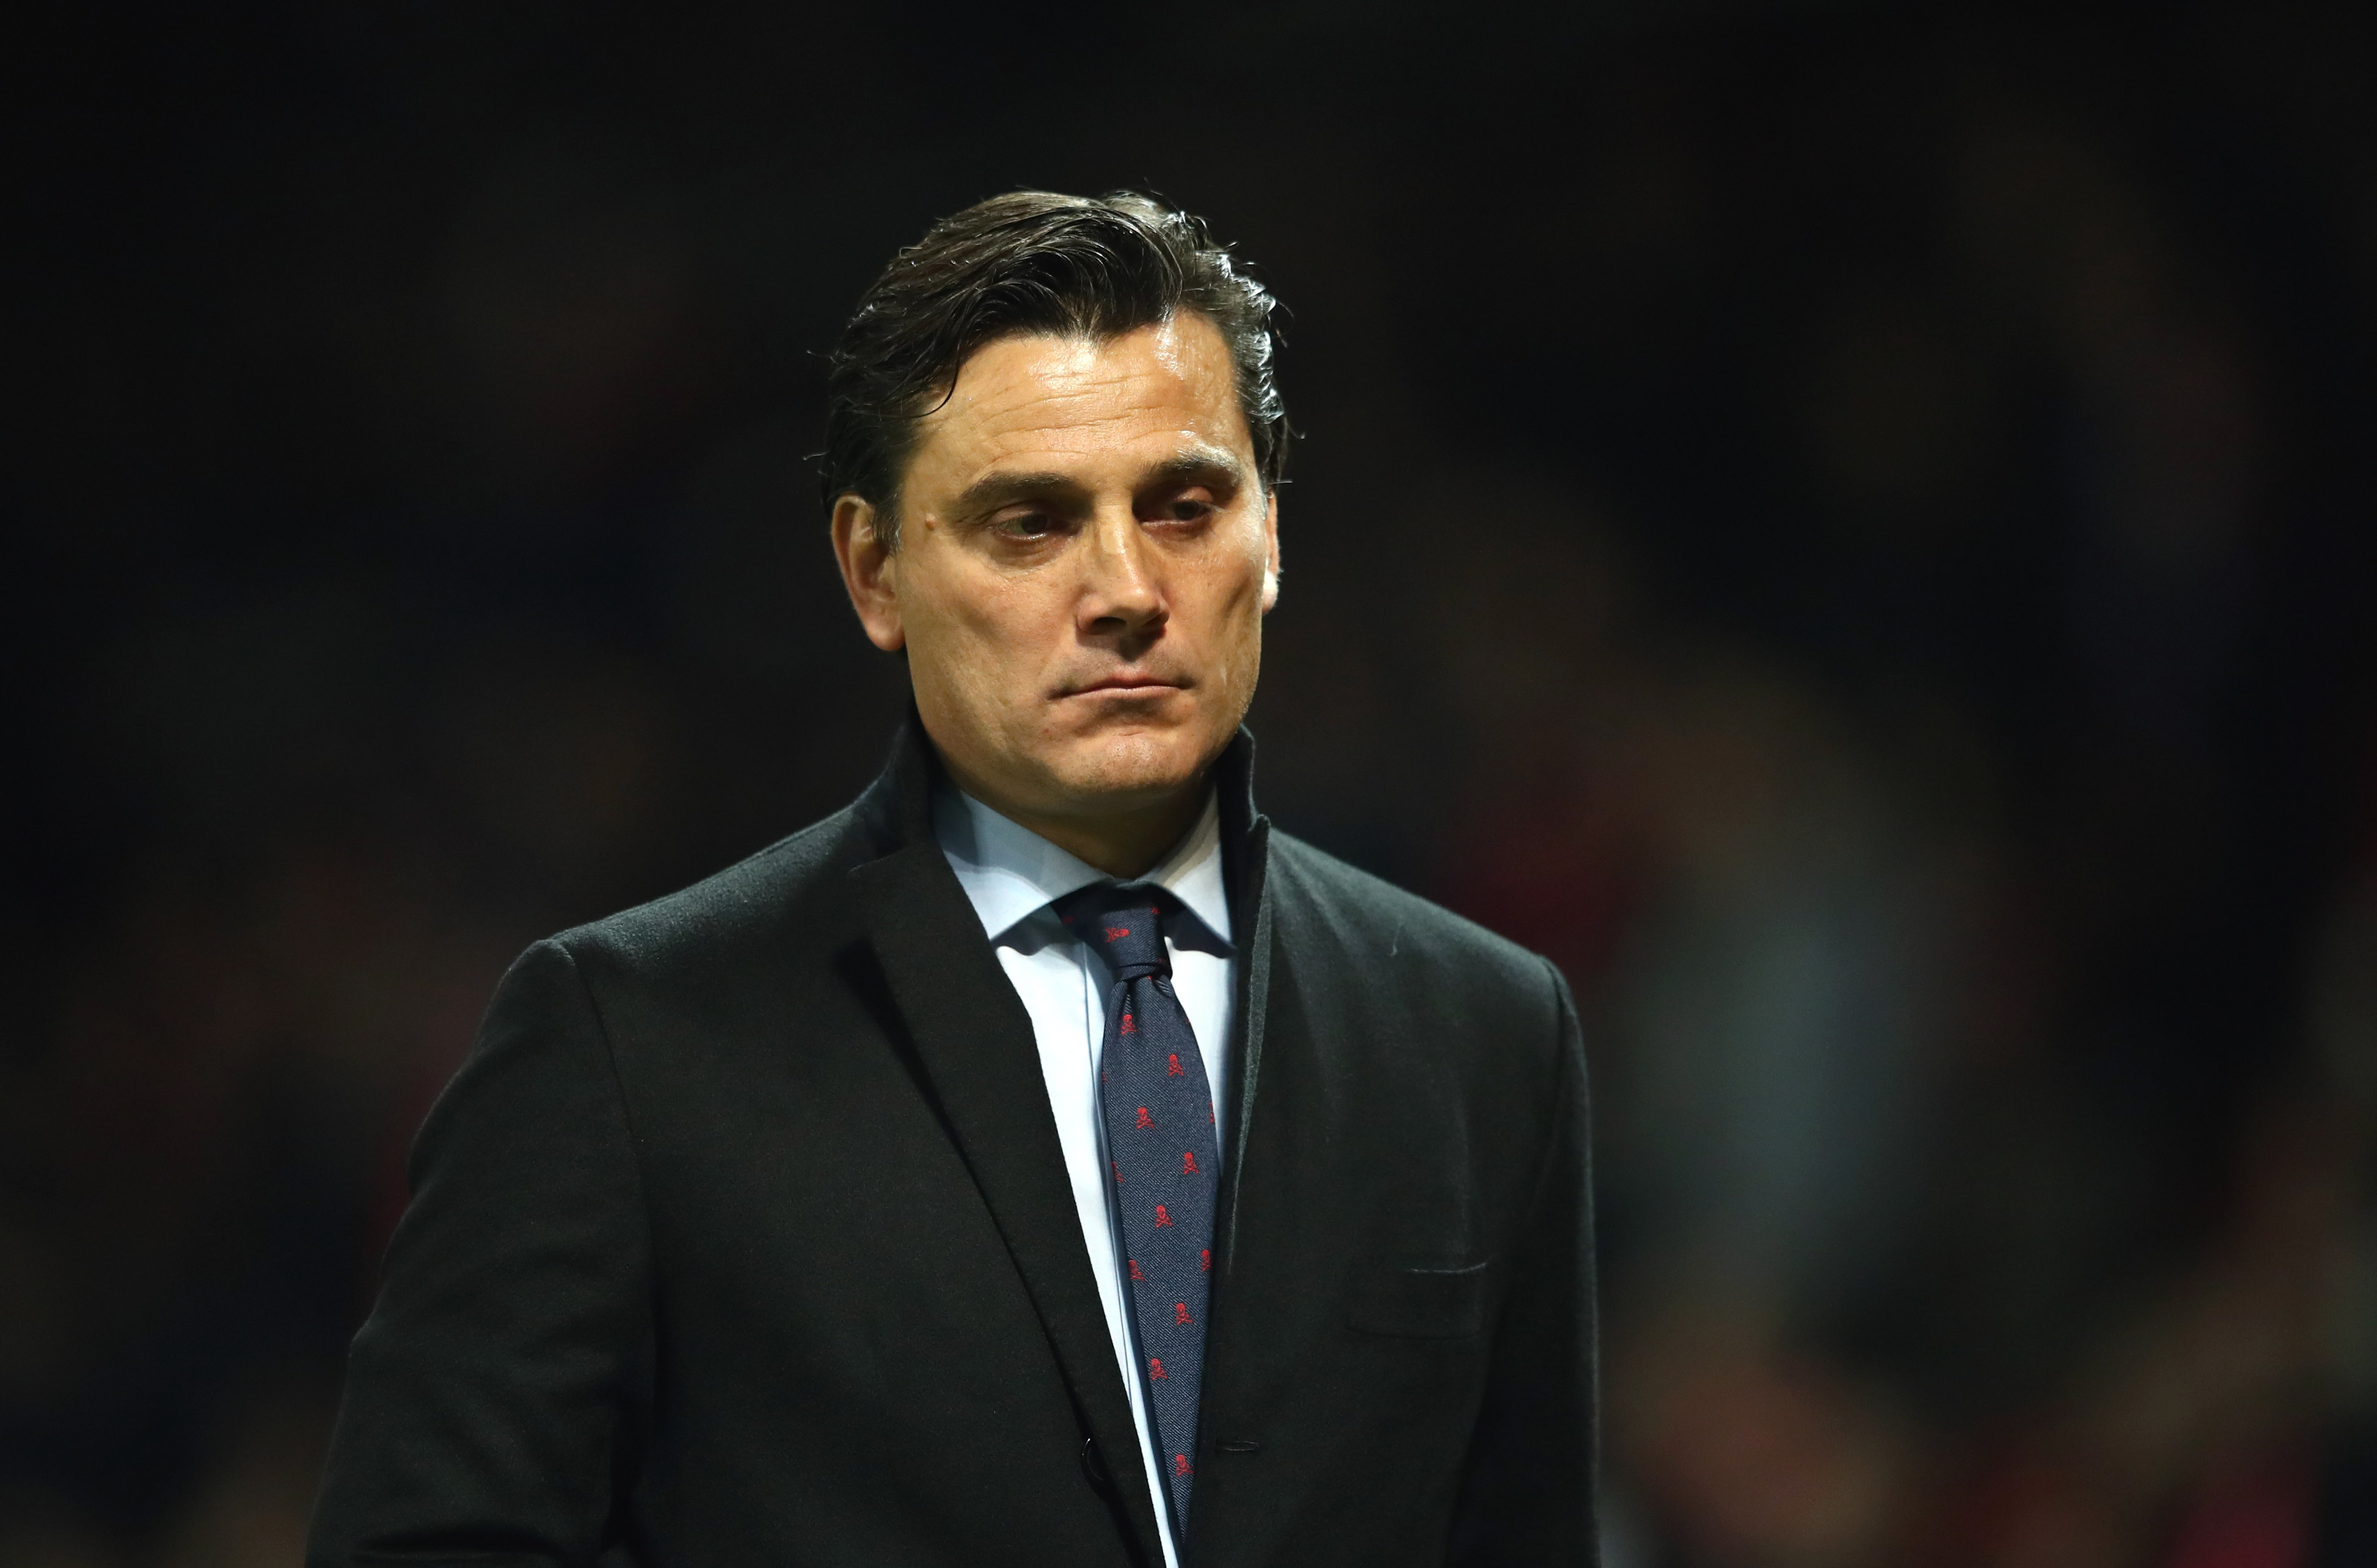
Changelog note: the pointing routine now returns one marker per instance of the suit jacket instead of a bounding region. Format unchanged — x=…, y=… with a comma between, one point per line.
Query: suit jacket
x=743, y=1238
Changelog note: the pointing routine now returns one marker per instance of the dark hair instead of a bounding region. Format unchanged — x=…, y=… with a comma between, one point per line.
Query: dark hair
x=1024, y=263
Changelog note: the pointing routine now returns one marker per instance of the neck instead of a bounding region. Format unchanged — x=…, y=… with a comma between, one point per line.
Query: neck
x=1123, y=844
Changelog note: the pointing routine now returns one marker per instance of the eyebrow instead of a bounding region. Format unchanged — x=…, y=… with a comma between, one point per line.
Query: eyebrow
x=1203, y=462
x=995, y=490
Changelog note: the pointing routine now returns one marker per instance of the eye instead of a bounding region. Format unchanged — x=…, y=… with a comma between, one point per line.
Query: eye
x=1024, y=525
x=1190, y=506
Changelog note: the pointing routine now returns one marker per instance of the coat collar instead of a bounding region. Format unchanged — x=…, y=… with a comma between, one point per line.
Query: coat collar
x=974, y=1040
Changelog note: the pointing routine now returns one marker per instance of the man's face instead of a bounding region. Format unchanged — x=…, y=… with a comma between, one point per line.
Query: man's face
x=1085, y=556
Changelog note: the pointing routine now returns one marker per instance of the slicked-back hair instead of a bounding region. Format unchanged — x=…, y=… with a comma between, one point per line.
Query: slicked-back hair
x=1019, y=265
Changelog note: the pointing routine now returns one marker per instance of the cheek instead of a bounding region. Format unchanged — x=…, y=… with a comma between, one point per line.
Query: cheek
x=1242, y=591
x=1003, y=615
x=986, y=637
x=1231, y=627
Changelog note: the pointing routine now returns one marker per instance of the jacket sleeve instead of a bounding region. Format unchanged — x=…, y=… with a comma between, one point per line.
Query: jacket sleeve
x=1528, y=1496
x=485, y=1400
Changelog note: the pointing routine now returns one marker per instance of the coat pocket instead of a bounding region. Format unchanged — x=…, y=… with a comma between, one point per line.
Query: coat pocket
x=1420, y=1303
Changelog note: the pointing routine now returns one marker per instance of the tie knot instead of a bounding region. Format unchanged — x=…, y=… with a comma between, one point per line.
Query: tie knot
x=1123, y=923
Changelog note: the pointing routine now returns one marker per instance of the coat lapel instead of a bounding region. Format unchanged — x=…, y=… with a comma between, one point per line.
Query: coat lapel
x=974, y=1041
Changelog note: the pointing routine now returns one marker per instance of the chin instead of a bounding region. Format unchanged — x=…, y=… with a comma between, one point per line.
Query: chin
x=1123, y=770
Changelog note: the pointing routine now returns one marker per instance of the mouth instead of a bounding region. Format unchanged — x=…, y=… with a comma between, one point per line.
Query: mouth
x=1125, y=686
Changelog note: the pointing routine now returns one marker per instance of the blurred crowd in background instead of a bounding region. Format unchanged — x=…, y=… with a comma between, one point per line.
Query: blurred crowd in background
x=1848, y=526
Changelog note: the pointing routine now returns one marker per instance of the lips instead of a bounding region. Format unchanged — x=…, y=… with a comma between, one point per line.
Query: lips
x=1126, y=683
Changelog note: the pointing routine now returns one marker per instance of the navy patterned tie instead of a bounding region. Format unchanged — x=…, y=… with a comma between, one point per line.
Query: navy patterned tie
x=1159, y=1118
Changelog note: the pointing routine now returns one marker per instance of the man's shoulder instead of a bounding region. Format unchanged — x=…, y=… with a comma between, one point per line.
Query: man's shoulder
x=1331, y=903
x=761, y=899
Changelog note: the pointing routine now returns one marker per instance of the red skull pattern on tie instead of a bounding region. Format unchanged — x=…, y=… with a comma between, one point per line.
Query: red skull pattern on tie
x=1158, y=1111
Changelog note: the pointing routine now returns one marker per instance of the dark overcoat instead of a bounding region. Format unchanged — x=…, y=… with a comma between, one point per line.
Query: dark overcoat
x=743, y=1239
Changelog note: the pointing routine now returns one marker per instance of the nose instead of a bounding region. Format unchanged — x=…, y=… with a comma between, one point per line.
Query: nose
x=1122, y=592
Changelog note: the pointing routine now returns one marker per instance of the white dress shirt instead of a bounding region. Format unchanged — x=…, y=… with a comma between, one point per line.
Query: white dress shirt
x=1011, y=874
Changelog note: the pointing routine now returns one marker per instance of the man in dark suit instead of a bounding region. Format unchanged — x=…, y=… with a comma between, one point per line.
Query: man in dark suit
x=1041, y=1161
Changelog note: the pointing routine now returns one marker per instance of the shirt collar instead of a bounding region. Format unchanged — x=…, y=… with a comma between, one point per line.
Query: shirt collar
x=1010, y=873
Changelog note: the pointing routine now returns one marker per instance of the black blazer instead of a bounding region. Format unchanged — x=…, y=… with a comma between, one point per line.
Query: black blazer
x=743, y=1240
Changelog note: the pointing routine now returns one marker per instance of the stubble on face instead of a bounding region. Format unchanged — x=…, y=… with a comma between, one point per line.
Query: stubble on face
x=1086, y=556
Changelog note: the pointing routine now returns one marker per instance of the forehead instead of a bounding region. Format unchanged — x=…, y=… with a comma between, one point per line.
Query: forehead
x=1050, y=401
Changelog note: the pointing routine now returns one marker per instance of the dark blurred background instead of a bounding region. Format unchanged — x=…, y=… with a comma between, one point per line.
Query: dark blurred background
x=1848, y=526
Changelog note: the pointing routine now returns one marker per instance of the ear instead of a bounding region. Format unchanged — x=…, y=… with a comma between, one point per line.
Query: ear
x=1271, y=550
x=870, y=570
